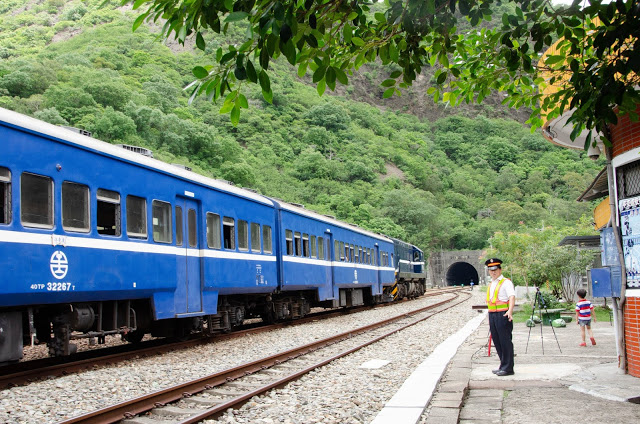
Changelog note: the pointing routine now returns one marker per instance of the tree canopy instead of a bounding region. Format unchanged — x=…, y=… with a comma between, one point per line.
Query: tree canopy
x=597, y=61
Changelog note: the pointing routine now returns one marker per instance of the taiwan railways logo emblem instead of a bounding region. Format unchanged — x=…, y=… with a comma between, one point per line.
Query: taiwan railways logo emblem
x=59, y=264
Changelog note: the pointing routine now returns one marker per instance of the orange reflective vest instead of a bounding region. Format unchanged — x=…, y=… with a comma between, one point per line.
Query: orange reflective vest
x=493, y=304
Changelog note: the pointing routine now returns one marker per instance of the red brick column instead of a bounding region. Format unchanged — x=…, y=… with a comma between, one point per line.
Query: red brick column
x=632, y=334
x=625, y=135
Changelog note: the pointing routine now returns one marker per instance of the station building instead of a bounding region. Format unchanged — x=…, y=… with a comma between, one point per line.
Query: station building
x=617, y=217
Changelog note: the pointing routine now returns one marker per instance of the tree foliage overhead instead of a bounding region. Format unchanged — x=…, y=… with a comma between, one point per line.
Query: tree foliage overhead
x=598, y=60
x=445, y=184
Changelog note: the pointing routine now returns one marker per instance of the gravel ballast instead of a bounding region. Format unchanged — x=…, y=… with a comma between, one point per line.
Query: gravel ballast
x=338, y=393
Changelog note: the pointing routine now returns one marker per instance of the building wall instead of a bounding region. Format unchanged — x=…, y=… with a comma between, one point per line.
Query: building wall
x=625, y=135
x=625, y=138
x=632, y=334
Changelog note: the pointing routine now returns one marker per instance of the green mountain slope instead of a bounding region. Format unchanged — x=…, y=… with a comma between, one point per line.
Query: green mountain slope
x=448, y=183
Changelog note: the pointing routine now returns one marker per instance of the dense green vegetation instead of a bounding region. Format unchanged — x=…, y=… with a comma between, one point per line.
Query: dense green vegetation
x=447, y=184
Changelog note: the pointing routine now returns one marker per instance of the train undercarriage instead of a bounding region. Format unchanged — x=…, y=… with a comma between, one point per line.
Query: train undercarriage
x=59, y=326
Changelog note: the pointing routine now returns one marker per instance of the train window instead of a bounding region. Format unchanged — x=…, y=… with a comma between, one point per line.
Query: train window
x=75, y=207
x=297, y=243
x=229, y=227
x=255, y=237
x=391, y=262
x=136, y=217
x=352, y=250
x=344, y=252
x=313, y=247
x=336, y=250
x=243, y=235
x=360, y=256
x=179, y=226
x=161, y=216
x=192, y=228
x=266, y=239
x=305, y=245
x=36, y=201
x=108, y=212
x=320, y=248
x=213, y=231
x=288, y=235
x=5, y=196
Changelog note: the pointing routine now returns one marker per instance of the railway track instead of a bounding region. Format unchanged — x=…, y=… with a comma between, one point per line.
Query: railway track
x=29, y=371
x=211, y=396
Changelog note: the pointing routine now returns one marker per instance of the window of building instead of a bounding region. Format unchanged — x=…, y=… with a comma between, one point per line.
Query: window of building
x=192, y=227
x=297, y=243
x=321, y=248
x=229, y=232
x=179, y=237
x=305, y=245
x=314, y=249
x=266, y=239
x=5, y=196
x=243, y=235
x=288, y=235
x=36, y=201
x=255, y=237
x=136, y=217
x=213, y=231
x=161, y=225
x=108, y=212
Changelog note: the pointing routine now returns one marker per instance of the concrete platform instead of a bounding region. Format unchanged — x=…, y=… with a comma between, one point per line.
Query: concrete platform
x=555, y=381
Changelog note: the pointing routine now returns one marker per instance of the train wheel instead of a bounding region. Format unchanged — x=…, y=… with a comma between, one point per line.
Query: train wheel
x=133, y=336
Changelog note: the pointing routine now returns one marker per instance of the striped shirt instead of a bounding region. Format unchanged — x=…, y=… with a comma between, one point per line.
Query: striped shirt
x=583, y=308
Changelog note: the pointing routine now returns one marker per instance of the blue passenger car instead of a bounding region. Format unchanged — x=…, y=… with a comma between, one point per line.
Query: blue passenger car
x=98, y=240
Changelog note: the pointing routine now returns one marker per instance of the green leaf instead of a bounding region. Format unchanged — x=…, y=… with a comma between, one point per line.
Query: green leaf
x=235, y=16
x=388, y=92
x=200, y=43
x=322, y=86
x=441, y=78
x=139, y=20
x=251, y=72
x=319, y=74
x=357, y=41
x=302, y=69
x=268, y=96
x=342, y=76
x=235, y=116
x=200, y=72
x=265, y=83
x=388, y=82
x=380, y=17
x=347, y=33
x=242, y=101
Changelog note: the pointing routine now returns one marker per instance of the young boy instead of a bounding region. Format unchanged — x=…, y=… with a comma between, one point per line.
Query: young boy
x=583, y=315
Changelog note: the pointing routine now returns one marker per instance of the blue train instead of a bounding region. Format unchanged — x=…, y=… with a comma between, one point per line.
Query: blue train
x=98, y=239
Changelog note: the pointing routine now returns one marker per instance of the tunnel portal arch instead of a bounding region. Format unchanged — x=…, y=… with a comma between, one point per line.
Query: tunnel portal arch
x=461, y=273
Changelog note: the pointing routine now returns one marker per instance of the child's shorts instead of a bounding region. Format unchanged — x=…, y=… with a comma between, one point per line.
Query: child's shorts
x=586, y=322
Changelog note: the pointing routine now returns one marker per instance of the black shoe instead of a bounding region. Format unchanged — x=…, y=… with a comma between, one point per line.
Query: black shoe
x=496, y=371
x=502, y=373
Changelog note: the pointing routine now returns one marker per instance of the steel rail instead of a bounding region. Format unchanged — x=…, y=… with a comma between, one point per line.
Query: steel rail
x=30, y=371
x=130, y=408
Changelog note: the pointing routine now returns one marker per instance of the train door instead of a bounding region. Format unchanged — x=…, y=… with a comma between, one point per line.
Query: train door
x=328, y=241
x=189, y=286
x=379, y=272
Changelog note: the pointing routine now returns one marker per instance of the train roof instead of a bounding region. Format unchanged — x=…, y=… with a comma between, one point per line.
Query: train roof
x=324, y=218
x=24, y=122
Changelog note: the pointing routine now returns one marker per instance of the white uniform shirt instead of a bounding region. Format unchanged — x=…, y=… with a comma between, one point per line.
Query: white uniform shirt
x=506, y=290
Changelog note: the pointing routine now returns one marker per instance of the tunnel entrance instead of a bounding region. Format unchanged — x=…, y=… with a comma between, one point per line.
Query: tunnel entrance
x=461, y=273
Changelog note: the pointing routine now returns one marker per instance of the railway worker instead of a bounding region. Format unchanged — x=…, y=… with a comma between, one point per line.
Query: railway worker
x=501, y=298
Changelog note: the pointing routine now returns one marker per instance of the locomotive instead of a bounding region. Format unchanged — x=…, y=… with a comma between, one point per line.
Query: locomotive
x=98, y=240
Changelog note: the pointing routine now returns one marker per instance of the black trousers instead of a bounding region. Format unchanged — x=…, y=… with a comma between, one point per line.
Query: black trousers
x=501, y=329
